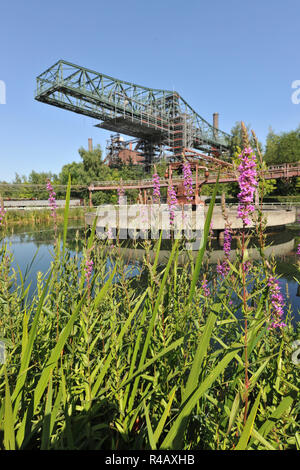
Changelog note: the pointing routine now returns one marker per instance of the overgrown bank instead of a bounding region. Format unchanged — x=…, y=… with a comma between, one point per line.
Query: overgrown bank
x=172, y=359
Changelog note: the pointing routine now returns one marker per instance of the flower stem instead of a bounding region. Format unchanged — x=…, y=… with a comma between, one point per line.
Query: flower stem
x=246, y=328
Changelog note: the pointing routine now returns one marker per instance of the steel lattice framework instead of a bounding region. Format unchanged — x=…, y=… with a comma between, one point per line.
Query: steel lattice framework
x=157, y=117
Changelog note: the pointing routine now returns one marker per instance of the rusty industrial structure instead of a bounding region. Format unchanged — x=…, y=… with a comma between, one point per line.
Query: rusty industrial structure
x=202, y=175
x=161, y=124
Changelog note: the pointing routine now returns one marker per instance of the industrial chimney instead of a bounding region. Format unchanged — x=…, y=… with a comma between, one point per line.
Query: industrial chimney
x=216, y=120
x=90, y=145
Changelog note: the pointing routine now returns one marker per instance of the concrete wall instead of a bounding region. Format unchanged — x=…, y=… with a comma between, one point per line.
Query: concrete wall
x=36, y=204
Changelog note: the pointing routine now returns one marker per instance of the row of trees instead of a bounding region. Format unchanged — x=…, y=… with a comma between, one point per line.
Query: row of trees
x=279, y=148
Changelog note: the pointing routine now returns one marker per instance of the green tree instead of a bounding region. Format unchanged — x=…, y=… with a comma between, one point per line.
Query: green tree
x=284, y=148
x=92, y=161
x=237, y=138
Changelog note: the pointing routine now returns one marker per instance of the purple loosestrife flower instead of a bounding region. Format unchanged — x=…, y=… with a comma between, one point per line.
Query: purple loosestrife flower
x=121, y=193
x=51, y=199
x=172, y=202
x=156, y=188
x=223, y=269
x=2, y=215
x=188, y=181
x=88, y=269
x=247, y=183
x=277, y=303
x=227, y=242
x=205, y=288
x=109, y=233
x=298, y=250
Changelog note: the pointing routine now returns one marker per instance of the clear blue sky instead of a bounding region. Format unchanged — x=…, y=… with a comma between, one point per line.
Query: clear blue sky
x=232, y=57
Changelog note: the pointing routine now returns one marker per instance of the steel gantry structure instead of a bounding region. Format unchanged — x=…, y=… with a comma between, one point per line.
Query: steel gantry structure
x=160, y=119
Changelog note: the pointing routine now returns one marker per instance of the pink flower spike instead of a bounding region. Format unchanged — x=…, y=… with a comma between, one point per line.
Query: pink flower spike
x=247, y=182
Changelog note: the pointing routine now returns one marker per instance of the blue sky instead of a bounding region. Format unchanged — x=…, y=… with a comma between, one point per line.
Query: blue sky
x=236, y=58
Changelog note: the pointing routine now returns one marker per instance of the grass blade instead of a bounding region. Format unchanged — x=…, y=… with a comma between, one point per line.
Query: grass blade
x=149, y=428
x=25, y=359
x=262, y=440
x=233, y=412
x=47, y=418
x=203, y=344
x=164, y=416
x=66, y=216
x=203, y=242
x=9, y=432
x=118, y=340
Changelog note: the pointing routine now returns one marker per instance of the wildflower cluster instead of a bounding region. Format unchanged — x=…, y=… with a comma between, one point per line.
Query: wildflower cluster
x=156, y=188
x=223, y=269
x=277, y=303
x=188, y=181
x=172, y=202
x=247, y=183
x=51, y=199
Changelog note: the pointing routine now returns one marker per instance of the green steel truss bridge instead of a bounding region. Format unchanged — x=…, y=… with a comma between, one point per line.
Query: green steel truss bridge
x=161, y=119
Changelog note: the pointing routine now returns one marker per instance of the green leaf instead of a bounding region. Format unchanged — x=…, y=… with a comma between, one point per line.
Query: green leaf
x=297, y=438
x=118, y=341
x=256, y=375
x=262, y=440
x=164, y=416
x=9, y=432
x=233, y=412
x=149, y=428
x=47, y=418
x=54, y=356
x=26, y=355
x=203, y=243
x=66, y=215
x=203, y=344
x=283, y=406
x=152, y=320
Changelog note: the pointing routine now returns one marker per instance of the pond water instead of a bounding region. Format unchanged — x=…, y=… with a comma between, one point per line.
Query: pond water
x=36, y=242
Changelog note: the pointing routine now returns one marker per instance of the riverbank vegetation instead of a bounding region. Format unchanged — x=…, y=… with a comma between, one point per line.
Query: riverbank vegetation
x=175, y=357
x=21, y=217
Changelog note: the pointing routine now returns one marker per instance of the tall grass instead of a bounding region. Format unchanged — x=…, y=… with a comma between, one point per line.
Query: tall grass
x=147, y=362
x=17, y=217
